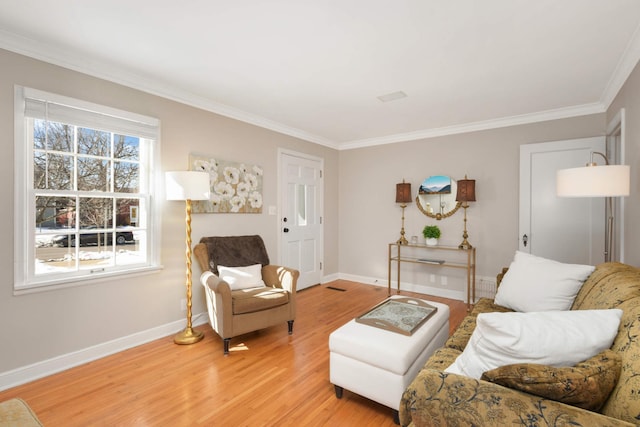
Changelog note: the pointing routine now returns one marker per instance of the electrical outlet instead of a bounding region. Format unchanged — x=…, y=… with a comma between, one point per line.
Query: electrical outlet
x=432, y=278
x=443, y=280
x=183, y=304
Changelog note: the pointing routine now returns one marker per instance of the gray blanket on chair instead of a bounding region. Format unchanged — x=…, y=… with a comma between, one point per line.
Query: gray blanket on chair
x=235, y=251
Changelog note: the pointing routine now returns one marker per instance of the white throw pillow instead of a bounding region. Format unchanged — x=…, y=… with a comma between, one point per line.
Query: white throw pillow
x=554, y=338
x=242, y=277
x=533, y=283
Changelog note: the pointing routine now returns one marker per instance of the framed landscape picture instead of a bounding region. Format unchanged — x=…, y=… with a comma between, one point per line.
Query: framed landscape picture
x=437, y=184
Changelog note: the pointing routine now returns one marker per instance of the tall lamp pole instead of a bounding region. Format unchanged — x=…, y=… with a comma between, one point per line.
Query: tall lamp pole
x=187, y=186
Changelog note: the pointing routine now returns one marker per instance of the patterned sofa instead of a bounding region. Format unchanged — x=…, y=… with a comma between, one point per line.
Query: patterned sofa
x=437, y=398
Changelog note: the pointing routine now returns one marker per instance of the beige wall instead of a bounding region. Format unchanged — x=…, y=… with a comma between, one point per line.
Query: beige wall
x=40, y=326
x=369, y=218
x=629, y=99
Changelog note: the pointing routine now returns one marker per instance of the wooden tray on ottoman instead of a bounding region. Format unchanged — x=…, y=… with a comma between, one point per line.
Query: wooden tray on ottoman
x=399, y=315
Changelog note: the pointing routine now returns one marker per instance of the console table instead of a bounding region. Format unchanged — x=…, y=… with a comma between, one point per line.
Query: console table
x=433, y=256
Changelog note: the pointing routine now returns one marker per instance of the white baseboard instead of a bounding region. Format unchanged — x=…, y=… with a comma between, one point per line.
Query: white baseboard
x=411, y=287
x=330, y=278
x=57, y=364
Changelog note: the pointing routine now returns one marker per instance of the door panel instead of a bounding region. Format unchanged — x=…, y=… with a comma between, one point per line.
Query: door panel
x=301, y=219
x=564, y=229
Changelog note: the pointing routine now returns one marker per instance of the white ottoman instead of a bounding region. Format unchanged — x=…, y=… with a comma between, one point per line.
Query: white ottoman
x=379, y=364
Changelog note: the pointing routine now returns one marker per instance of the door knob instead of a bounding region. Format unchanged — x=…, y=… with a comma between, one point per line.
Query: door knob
x=286, y=230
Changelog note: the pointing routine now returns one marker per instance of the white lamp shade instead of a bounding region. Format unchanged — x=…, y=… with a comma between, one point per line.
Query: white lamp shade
x=593, y=181
x=187, y=185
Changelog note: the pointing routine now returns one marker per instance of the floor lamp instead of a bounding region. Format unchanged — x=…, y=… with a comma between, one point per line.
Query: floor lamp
x=596, y=181
x=403, y=196
x=187, y=186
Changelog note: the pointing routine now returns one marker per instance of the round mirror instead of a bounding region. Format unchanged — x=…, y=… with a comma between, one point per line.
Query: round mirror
x=437, y=197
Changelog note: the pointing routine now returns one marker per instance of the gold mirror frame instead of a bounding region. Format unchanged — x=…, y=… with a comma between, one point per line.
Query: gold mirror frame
x=438, y=215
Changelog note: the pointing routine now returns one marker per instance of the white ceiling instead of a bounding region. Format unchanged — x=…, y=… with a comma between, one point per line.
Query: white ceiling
x=315, y=69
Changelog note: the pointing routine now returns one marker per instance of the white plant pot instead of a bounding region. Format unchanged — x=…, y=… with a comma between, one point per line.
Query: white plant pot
x=432, y=242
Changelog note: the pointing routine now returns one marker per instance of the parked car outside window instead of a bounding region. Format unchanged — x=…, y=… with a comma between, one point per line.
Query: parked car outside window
x=64, y=240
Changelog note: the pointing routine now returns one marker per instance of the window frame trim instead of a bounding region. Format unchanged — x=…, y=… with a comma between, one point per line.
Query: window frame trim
x=24, y=252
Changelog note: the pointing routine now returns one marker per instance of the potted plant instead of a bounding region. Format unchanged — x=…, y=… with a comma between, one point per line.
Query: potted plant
x=431, y=234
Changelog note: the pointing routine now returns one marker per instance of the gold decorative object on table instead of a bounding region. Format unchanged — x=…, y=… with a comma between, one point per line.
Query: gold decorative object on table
x=466, y=193
x=187, y=186
x=403, y=196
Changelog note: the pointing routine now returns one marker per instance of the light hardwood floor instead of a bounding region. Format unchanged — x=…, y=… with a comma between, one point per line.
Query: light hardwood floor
x=268, y=379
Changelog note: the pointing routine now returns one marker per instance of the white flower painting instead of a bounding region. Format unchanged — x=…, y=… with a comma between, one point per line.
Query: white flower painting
x=235, y=187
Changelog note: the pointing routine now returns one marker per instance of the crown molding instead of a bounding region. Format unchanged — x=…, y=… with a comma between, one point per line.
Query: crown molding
x=53, y=55
x=543, y=116
x=623, y=69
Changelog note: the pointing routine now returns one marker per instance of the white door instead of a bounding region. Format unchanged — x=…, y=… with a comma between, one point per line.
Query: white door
x=565, y=229
x=301, y=204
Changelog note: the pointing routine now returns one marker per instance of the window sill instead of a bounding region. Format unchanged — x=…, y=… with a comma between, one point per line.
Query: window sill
x=83, y=280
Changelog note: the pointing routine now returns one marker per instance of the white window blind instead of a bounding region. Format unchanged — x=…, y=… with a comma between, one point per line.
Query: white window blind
x=83, y=115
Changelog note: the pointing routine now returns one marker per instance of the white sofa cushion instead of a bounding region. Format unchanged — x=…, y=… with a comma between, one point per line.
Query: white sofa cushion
x=554, y=338
x=534, y=283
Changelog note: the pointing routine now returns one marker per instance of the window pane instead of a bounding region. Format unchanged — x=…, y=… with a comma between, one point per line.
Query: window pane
x=94, y=142
x=134, y=251
x=126, y=177
x=93, y=174
x=302, y=205
x=52, y=136
x=52, y=171
x=127, y=212
x=39, y=170
x=54, y=212
x=56, y=256
x=96, y=212
x=126, y=147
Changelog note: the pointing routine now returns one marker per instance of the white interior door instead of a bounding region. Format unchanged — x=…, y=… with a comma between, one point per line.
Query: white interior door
x=301, y=204
x=570, y=230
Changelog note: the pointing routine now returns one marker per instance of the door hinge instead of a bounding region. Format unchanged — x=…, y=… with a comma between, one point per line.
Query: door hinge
x=320, y=173
x=320, y=265
x=320, y=220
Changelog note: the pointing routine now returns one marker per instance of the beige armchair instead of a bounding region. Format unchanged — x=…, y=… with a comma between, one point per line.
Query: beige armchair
x=236, y=312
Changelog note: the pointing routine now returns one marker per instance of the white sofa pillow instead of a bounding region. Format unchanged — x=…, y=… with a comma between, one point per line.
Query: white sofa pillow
x=242, y=277
x=554, y=338
x=533, y=283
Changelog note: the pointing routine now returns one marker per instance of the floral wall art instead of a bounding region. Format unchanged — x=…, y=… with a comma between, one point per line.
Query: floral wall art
x=235, y=187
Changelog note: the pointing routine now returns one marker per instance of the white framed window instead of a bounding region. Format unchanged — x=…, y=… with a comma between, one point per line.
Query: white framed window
x=85, y=180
